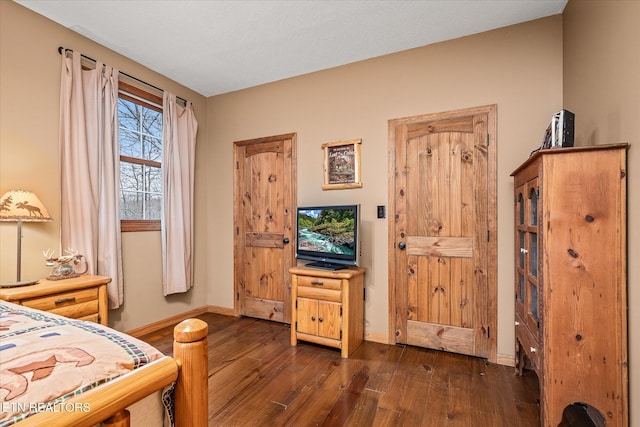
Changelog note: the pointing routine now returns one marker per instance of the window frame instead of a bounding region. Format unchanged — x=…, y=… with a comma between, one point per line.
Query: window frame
x=148, y=100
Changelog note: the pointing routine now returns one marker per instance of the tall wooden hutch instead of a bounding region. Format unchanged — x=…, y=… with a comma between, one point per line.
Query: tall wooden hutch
x=571, y=280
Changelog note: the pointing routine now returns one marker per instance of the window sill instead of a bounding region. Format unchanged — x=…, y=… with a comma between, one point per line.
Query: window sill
x=139, y=225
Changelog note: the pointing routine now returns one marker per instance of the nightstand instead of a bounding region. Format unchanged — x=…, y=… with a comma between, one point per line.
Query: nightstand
x=328, y=307
x=83, y=297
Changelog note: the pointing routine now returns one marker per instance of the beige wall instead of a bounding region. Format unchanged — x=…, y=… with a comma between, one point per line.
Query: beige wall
x=602, y=87
x=29, y=108
x=518, y=68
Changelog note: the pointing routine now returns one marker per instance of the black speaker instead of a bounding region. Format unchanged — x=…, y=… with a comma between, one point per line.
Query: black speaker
x=565, y=125
x=560, y=131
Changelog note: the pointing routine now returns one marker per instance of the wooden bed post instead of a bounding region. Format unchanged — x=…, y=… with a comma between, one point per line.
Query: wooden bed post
x=190, y=350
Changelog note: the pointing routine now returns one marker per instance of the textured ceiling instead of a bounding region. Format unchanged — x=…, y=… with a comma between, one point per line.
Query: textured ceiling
x=218, y=46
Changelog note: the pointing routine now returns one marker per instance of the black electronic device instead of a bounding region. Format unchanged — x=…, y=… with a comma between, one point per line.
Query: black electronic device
x=328, y=235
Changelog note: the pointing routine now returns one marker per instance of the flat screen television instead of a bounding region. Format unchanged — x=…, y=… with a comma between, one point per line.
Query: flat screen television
x=328, y=235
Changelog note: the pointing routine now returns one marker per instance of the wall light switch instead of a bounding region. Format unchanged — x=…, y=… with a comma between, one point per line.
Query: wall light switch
x=382, y=211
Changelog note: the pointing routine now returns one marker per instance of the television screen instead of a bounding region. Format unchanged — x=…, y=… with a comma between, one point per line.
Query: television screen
x=328, y=235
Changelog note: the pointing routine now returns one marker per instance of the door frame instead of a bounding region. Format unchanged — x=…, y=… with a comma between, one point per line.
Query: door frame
x=290, y=167
x=491, y=111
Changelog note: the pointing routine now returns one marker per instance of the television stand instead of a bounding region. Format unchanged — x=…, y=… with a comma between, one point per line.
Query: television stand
x=327, y=307
x=325, y=265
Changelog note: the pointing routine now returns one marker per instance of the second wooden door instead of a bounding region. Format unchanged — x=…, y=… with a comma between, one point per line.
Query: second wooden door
x=264, y=226
x=442, y=236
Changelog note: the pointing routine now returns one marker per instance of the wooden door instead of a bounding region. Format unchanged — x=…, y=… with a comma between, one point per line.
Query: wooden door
x=329, y=324
x=264, y=226
x=443, y=237
x=307, y=316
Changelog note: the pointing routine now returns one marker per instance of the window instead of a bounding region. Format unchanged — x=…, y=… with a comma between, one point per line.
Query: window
x=140, y=133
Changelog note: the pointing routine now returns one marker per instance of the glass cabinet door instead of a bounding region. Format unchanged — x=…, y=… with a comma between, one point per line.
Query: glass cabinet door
x=527, y=220
x=532, y=297
x=521, y=255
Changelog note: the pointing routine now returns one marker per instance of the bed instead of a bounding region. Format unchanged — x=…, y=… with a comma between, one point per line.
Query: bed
x=65, y=372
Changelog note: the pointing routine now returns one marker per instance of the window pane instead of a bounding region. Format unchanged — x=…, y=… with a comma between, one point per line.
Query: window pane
x=152, y=148
x=533, y=252
x=153, y=179
x=534, y=207
x=128, y=114
x=141, y=191
x=130, y=144
x=130, y=205
x=151, y=121
x=153, y=204
x=521, y=208
x=140, y=131
x=522, y=249
x=131, y=177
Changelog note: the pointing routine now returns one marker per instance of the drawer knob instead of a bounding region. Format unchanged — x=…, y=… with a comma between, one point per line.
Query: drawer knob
x=319, y=319
x=313, y=318
x=317, y=282
x=533, y=349
x=64, y=300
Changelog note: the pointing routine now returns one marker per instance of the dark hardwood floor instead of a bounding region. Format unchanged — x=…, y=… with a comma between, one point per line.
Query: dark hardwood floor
x=257, y=379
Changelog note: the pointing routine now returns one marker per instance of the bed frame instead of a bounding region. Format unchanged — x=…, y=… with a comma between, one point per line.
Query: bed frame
x=108, y=403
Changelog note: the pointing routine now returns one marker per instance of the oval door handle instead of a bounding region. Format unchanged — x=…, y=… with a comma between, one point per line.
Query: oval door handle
x=402, y=245
x=285, y=240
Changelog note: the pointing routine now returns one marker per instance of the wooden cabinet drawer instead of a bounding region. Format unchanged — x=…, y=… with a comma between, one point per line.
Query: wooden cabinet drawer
x=320, y=282
x=83, y=297
x=320, y=293
x=74, y=304
x=95, y=318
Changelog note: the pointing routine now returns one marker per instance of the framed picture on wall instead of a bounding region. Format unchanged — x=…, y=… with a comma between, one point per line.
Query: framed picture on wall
x=342, y=164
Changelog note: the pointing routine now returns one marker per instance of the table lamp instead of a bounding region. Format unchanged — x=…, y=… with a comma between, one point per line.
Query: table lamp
x=22, y=206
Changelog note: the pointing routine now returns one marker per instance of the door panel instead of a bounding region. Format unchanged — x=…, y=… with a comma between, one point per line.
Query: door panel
x=264, y=203
x=443, y=285
x=307, y=321
x=329, y=323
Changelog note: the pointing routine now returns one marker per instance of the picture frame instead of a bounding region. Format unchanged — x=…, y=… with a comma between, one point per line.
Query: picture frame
x=342, y=164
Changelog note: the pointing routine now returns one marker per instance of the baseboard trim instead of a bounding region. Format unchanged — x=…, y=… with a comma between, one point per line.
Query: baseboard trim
x=506, y=359
x=221, y=310
x=376, y=337
x=155, y=326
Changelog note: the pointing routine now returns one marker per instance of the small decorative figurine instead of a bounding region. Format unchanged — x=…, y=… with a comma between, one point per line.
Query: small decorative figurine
x=64, y=267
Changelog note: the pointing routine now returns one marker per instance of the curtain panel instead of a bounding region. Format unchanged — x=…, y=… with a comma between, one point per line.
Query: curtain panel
x=90, y=169
x=178, y=162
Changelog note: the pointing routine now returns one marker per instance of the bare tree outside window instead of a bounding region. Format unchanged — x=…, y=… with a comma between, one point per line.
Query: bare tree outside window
x=140, y=133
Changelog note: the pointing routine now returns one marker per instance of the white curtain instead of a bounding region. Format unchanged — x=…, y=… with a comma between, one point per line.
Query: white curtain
x=90, y=169
x=178, y=161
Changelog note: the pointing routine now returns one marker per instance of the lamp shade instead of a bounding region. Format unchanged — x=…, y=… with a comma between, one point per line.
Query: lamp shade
x=21, y=205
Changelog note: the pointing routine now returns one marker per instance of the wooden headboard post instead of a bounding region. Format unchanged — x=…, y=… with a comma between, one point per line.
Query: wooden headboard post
x=190, y=350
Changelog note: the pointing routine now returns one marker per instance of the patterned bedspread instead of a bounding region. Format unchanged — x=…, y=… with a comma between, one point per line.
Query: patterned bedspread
x=46, y=358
